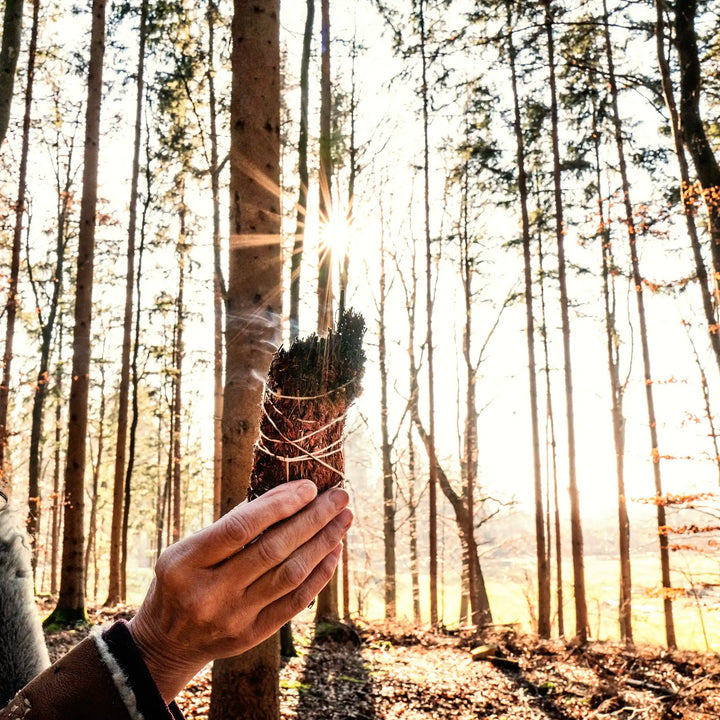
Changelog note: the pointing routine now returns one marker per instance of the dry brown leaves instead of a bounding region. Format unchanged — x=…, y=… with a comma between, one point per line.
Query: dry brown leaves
x=403, y=672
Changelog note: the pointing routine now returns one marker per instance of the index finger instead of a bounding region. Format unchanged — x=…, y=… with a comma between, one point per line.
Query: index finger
x=246, y=521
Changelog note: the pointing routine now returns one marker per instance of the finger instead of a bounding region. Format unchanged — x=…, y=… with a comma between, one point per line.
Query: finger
x=295, y=570
x=278, y=613
x=246, y=521
x=278, y=543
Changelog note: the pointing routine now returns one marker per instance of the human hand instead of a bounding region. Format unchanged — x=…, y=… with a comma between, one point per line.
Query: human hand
x=230, y=586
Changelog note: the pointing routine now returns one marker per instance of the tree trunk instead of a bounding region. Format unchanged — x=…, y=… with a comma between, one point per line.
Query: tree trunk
x=691, y=124
x=12, y=33
x=71, y=602
x=414, y=565
x=218, y=283
x=303, y=175
x=543, y=569
x=388, y=494
x=616, y=394
x=327, y=601
x=247, y=686
x=57, y=494
x=12, y=24
x=92, y=526
x=552, y=443
x=432, y=489
x=325, y=282
x=176, y=448
x=639, y=295
x=124, y=390
x=581, y=621
x=135, y=380
x=686, y=185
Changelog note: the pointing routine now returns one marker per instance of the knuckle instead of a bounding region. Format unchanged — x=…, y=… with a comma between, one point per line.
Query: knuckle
x=237, y=528
x=270, y=552
x=166, y=569
x=292, y=573
x=301, y=598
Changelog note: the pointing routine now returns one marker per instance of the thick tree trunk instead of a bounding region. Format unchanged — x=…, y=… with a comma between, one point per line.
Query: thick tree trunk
x=691, y=124
x=686, y=185
x=247, y=687
x=581, y=620
x=124, y=390
x=303, y=175
x=639, y=295
x=543, y=569
x=432, y=489
x=12, y=33
x=388, y=489
x=12, y=301
x=71, y=602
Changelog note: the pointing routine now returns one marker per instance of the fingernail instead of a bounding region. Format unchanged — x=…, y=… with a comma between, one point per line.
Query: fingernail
x=339, y=498
x=307, y=490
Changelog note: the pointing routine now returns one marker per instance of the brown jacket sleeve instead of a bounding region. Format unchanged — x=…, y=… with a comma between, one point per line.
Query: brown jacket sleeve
x=102, y=678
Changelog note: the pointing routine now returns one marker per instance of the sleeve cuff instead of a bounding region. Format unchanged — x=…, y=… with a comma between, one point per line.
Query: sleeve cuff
x=131, y=676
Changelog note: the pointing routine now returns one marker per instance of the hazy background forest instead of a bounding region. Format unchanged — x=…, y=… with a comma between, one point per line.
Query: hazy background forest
x=485, y=180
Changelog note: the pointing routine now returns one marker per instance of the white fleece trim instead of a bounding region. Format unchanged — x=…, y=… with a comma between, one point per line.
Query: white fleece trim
x=118, y=676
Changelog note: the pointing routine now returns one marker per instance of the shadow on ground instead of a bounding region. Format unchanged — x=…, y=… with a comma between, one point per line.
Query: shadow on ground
x=335, y=682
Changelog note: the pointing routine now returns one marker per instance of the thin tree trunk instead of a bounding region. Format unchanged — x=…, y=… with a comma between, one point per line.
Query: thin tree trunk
x=114, y=590
x=9, y=53
x=218, y=284
x=247, y=686
x=57, y=494
x=551, y=440
x=543, y=569
x=176, y=448
x=616, y=394
x=11, y=305
x=414, y=565
x=692, y=128
x=432, y=490
x=303, y=175
x=92, y=526
x=581, y=620
x=686, y=185
x=135, y=380
x=639, y=295
x=388, y=490
x=325, y=282
x=71, y=602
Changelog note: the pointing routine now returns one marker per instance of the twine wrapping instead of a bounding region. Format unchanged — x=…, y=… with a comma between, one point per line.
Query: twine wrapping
x=307, y=394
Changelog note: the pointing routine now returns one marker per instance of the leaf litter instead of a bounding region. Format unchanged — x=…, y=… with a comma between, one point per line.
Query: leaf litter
x=390, y=671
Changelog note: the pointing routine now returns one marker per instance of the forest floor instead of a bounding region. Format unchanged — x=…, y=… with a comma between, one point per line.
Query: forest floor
x=385, y=672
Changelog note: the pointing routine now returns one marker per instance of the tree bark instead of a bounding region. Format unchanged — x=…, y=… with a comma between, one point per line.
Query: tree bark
x=9, y=52
x=71, y=602
x=247, y=687
x=581, y=621
x=176, y=448
x=414, y=565
x=639, y=295
x=57, y=494
x=124, y=390
x=543, y=569
x=12, y=300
